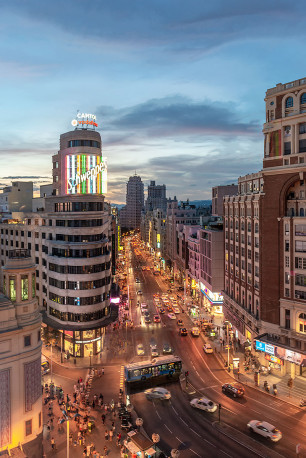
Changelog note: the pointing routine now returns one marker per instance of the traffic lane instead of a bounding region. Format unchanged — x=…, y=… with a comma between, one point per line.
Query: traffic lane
x=178, y=430
x=255, y=405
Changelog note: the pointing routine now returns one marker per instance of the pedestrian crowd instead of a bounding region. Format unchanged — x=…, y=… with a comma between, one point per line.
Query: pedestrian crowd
x=78, y=407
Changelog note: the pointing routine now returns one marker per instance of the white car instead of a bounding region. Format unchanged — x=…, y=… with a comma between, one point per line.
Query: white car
x=158, y=393
x=154, y=352
x=203, y=404
x=208, y=348
x=176, y=310
x=144, y=305
x=195, y=331
x=265, y=429
x=140, y=350
x=172, y=316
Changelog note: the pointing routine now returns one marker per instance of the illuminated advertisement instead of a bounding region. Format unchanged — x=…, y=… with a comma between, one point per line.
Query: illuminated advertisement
x=214, y=298
x=85, y=174
x=263, y=346
x=158, y=240
x=85, y=120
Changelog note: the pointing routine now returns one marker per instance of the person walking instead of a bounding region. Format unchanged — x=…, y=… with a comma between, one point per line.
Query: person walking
x=106, y=435
x=53, y=444
x=103, y=419
x=102, y=370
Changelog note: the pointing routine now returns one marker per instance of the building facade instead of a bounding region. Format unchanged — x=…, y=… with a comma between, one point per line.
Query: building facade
x=130, y=215
x=264, y=297
x=20, y=357
x=71, y=244
x=16, y=198
x=218, y=193
x=156, y=197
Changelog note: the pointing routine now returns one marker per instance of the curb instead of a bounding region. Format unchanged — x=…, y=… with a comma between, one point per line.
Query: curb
x=253, y=387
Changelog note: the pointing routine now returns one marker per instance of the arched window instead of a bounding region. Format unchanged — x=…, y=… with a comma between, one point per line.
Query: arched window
x=256, y=228
x=249, y=227
x=303, y=98
x=302, y=322
x=289, y=102
x=301, y=211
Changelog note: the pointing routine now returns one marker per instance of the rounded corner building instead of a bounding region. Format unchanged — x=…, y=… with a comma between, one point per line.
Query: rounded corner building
x=78, y=252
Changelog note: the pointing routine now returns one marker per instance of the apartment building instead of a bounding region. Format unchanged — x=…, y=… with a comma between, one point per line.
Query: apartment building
x=265, y=223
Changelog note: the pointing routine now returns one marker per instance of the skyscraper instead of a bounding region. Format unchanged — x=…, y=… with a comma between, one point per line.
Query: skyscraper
x=130, y=215
x=156, y=197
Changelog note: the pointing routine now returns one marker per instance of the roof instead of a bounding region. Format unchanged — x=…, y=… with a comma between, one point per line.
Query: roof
x=142, y=442
x=157, y=360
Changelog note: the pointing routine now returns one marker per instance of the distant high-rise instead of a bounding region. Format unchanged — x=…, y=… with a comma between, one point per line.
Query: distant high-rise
x=156, y=197
x=130, y=215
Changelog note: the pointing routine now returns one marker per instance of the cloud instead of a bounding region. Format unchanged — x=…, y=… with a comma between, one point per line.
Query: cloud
x=22, y=177
x=176, y=117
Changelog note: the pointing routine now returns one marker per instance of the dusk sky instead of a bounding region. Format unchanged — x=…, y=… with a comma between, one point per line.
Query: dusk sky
x=178, y=87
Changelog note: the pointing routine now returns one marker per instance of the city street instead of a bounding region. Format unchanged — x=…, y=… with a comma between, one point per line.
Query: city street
x=196, y=433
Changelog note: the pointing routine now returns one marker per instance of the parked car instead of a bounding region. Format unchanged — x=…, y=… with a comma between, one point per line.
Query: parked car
x=183, y=332
x=234, y=389
x=172, y=316
x=208, y=348
x=265, y=429
x=158, y=393
x=203, y=404
x=140, y=350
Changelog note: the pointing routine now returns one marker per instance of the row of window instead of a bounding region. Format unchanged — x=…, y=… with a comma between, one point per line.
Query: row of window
x=80, y=238
x=78, y=207
x=24, y=287
x=90, y=143
x=79, y=222
x=69, y=253
x=78, y=317
x=78, y=301
x=79, y=285
x=289, y=100
x=302, y=147
x=79, y=270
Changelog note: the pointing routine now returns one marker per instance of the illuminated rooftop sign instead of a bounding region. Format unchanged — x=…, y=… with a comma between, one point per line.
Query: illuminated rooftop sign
x=84, y=119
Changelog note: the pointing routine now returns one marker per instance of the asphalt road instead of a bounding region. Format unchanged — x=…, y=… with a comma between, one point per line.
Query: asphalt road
x=193, y=432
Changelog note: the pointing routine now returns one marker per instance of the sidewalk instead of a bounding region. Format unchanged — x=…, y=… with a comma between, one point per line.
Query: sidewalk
x=292, y=396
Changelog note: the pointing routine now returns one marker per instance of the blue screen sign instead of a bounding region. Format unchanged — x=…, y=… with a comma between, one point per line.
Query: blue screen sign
x=267, y=348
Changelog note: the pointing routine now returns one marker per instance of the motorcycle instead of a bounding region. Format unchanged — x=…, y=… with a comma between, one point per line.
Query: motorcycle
x=274, y=390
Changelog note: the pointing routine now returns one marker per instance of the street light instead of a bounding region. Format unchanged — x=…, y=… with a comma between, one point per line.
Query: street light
x=139, y=423
x=155, y=439
x=175, y=453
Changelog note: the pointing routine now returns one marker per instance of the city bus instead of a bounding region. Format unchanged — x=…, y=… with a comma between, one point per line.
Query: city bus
x=158, y=369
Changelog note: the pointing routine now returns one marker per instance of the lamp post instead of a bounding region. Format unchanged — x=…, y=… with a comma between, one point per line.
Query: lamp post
x=139, y=423
x=51, y=363
x=175, y=453
x=155, y=439
x=67, y=438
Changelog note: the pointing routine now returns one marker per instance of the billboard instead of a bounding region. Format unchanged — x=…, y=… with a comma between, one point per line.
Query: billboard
x=85, y=174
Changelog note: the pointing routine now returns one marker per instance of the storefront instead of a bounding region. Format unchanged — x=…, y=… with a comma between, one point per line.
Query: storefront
x=212, y=301
x=82, y=343
x=280, y=358
x=139, y=446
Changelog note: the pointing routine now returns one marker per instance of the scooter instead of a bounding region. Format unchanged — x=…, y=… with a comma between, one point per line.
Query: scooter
x=303, y=403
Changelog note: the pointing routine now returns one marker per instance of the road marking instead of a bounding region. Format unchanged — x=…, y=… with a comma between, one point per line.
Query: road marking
x=174, y=410
x=194, y=452
x=196, y=433
x=184, y=422
x=158, y=414
x=168, y=428
x=180, y=440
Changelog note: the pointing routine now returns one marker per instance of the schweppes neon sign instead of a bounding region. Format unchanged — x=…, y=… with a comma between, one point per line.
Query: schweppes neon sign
x=86, y=174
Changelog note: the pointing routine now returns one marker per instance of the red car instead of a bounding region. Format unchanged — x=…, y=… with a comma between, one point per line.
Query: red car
x=156, y=319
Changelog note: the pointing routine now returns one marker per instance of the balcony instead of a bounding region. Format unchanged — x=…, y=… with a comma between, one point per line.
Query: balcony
x=246, y=314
